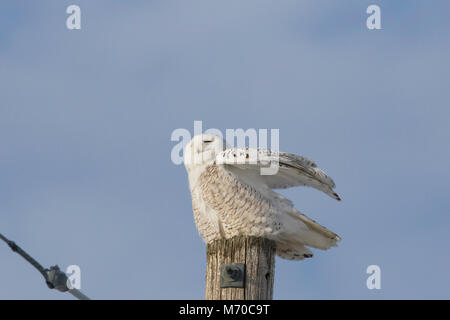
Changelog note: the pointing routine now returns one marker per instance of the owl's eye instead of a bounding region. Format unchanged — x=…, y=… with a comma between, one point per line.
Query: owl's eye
x=207, y=141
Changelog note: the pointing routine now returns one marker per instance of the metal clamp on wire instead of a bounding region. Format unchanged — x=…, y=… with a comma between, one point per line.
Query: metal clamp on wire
x=56, y=279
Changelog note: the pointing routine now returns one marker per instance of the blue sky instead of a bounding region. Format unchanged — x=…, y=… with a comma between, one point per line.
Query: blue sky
x=86, y=118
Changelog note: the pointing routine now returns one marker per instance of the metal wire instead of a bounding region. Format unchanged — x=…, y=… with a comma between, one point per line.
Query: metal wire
x=54, y=278
x=14, y=247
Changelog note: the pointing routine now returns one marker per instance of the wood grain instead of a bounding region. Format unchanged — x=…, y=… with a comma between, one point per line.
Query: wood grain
x=258, y=255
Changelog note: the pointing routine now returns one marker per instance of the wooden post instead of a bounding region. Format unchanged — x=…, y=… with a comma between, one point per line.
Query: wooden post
x=258, y=256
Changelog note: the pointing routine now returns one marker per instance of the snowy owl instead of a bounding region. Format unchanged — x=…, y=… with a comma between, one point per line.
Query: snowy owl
x=231, y=197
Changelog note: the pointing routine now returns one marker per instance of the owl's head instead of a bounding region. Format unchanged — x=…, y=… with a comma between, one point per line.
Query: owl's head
x=202, y=150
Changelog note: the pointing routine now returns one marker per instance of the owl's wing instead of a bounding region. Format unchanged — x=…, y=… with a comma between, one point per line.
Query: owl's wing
x=292, y=170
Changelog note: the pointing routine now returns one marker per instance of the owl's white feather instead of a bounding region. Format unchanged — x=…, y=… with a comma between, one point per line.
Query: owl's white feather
x=231, y=197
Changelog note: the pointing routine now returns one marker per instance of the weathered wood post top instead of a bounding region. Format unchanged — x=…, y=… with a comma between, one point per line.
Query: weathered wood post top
x=240, y=268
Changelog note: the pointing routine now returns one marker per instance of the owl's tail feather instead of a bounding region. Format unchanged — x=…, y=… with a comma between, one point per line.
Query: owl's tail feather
x=290, y=252
x=304, y=232
x=309, y=233
x=317, y=227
